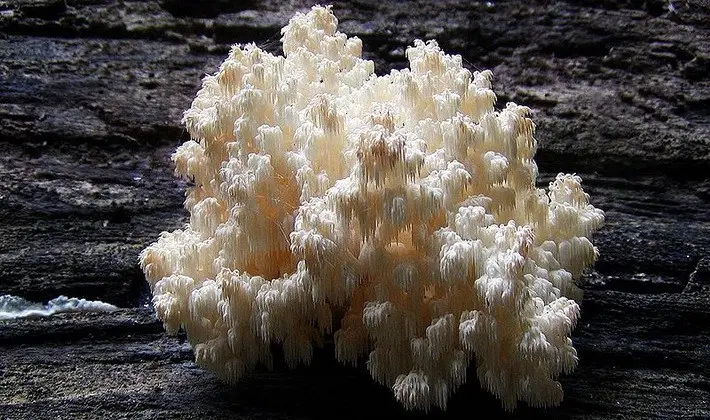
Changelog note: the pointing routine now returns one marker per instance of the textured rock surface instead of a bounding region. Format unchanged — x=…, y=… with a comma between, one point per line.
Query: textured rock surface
x=91, y=93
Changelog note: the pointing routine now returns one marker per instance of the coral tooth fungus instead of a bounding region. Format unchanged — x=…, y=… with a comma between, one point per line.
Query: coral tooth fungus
x=404, y=204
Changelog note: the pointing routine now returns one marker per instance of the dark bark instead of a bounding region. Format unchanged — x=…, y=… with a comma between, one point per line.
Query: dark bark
x=91, y=95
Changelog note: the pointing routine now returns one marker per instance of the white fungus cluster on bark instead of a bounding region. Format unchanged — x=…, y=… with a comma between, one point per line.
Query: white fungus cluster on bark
x=404, y=205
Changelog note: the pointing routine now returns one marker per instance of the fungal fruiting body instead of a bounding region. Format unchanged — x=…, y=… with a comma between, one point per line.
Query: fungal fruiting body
x=404, y=205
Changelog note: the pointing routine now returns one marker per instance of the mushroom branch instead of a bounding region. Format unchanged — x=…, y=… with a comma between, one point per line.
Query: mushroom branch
x=403, y=206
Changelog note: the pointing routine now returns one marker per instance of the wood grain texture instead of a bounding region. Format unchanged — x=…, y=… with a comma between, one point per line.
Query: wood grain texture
x=91, y=95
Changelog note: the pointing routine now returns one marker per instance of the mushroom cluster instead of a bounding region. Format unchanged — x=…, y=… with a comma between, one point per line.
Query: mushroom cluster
x=401, y=208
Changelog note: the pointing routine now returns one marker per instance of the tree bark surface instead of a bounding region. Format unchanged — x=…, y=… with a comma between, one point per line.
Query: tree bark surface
x=91, y=97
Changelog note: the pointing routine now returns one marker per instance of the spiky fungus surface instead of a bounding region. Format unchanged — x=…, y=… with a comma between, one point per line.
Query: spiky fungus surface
x=404, y=205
